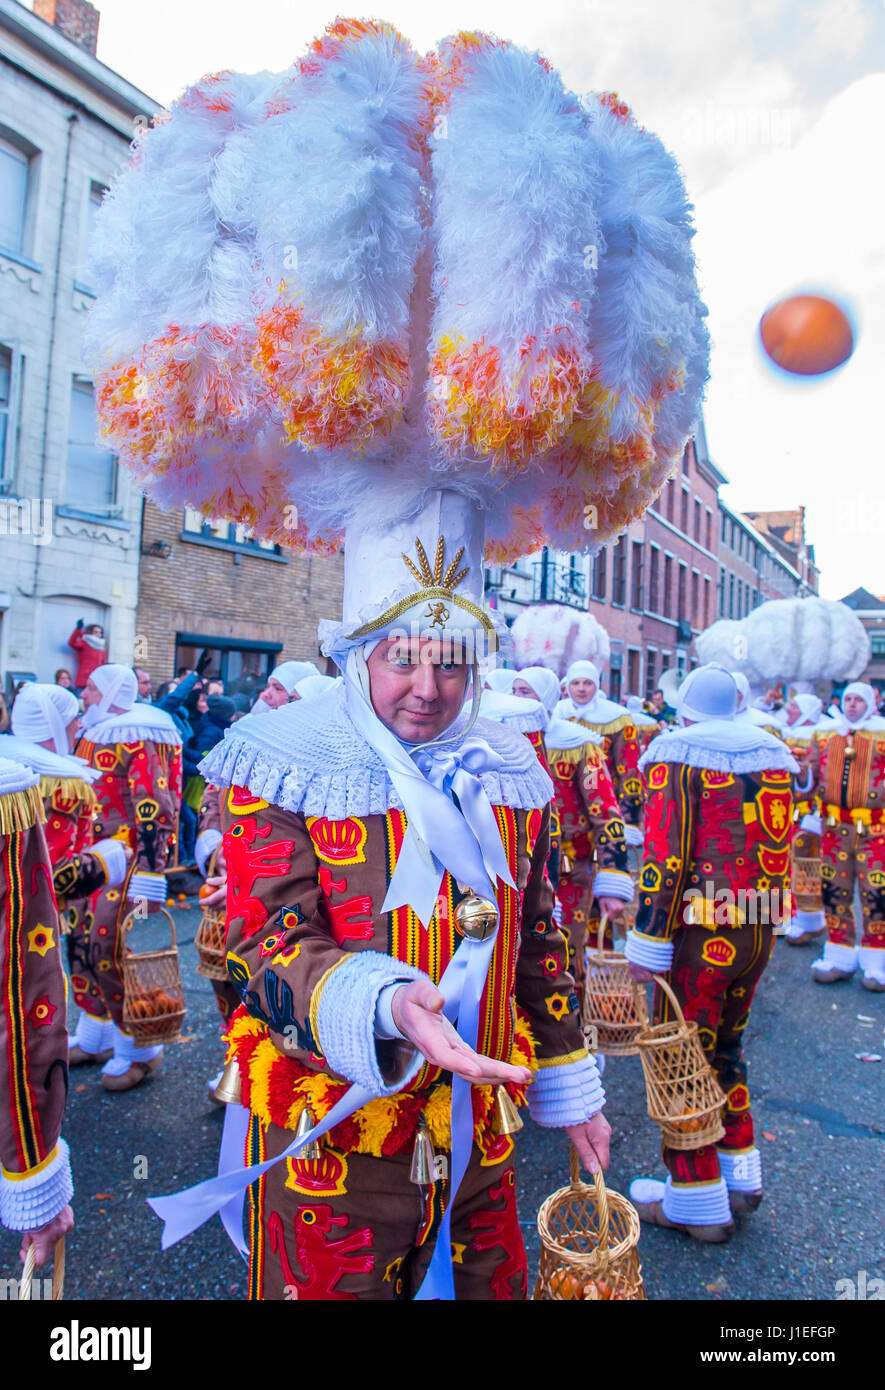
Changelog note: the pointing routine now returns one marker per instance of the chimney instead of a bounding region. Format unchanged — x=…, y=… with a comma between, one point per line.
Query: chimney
x=76, y=19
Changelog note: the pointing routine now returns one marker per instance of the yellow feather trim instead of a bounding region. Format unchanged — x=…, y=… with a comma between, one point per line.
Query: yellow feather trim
x=566, y=755
x=622, y=722
x=21, y=810
x=71, y=788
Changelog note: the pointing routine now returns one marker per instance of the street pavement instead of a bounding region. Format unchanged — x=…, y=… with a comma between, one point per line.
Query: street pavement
x=820, y=1122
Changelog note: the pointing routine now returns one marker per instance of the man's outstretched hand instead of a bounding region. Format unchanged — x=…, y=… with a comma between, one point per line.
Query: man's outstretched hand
x=44, y=1240
x=417, y=1013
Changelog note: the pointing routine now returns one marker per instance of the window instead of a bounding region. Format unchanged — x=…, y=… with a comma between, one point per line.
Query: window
x=224, y=533
x=680, y=609
x=13, y=197
x=724, y=535
x=683, y=511
x=877, y=643
x=598, y=575
x=10, y=373
x=671, y=489
x=91, y=477
x=651, y=672
x=614, y=684
x=653, y=581
x=695, y=599
x=697, y=521
x=632, y=672
x=707, y=587
x=731, y=595
x=709, y=541
x=668, y=586
x=685, y=458
x=619, y=571
x=636, y=589
x=243, y=665
x=722, y=593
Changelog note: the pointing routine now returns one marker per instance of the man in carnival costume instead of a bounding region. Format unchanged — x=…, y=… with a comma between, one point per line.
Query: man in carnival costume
x=803, y=716
x=35, y=1178
x=464, y=386
x=717, y=860
x=846, y=769
x=136, y=750
x=615, y=725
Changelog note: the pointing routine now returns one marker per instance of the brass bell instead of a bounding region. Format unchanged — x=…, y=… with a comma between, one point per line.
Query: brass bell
x=476, y=917
x=850, y=750
x=507, y=1120
x=312, y=1151
x=859, y=825
x=831, y=822
x=229, y=1089
x=565, y=865
x=423, y=1168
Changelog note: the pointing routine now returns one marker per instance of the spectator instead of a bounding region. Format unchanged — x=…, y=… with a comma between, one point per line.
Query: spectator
x=90, y=644
x=64, y=678
x=659, y=709
x=145, y=691
x=215, y=686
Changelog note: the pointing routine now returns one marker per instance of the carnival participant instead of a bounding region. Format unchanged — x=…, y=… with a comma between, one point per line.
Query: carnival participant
x=803, y=715
x=747, y=713
x=646, y=727
x=45, y=720
x=281, y=683
x=846, y=763
x=35, y=1178
x=716, y=862
x=617, y=728
x=136, y=749
x=593, y=877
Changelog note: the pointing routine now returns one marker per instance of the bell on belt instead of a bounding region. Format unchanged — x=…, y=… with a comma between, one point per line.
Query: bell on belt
x=229, y=1089
x=850, y=750
x=831, y=821
x=423, y=1169
x=565, y=865
x=507, y=1120
x=476, y=917
x=313, y=1150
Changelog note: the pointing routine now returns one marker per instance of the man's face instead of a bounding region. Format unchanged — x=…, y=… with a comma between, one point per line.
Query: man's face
x=854, y=707
x=657, y=700
x=793, y=712
x=522, y=688
x=144, y=684
x=417, y=686
x=91, y=693
x=275, y=694
x=582, y=690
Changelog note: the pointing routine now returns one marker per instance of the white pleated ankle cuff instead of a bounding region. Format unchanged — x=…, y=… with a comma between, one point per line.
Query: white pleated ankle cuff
x=152, y=887
x=207, y=842
x=345, y=1019
x=567, y=1094
x=31, y=1202
x=806, y=921
x=633, y=836
x=611, y=883
x=842, y=957
x=742, y=1171
x=871, y=960
x=113, y=856
x=650, y=954
x=92, y=1035
x=697, y=1204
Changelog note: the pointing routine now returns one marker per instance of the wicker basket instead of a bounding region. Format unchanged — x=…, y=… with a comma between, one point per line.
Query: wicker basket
x=58, y=1272
x=153, y=997
x=612, y=1007
x=589, y=1244
x=211, y=937
x=806, y=882
x=682, y=1092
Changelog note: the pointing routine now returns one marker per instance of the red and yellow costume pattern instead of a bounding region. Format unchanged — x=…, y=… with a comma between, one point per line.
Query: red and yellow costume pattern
x=138, y=795
x=304, y=892
x=622, y=750
x=69, y=804
x=707, y=831
x=848, y=772
x=33, y=1029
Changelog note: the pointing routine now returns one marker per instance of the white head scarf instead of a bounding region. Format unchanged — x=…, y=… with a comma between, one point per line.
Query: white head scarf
x=810, y=708
x=43, y=712
x=311, y=687
x=544, y=683
x=870, y=719
x=500, y=680
x=119, y=688
x=708, y=692
x=289, y=673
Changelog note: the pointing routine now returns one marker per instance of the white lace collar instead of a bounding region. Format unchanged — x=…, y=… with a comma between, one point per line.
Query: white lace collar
x=723, y=745
x=309, y=757
x=140, y=722
x=48, y=764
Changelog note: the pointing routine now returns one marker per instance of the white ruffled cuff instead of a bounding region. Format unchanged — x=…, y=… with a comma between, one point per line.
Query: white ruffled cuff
x=742, y=1171
x=385, y=1025
x=633, y=835
x=567, y=1094
x=697, y=1204
x=113, y=856
x=651, y=954
x=811, y=824
x=345, y=1019
x=27, y=1203
x=207, y=842
x=611, y=883
x=152, y=887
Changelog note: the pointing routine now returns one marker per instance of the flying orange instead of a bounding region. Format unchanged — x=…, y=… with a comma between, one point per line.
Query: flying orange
x=807, y=334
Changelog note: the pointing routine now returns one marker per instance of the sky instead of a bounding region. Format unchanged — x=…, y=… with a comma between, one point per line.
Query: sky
x=775, y=110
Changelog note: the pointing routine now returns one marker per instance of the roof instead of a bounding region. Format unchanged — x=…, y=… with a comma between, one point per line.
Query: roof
x=862, y=599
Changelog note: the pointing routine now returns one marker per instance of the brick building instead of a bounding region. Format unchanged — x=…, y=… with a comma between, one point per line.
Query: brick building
x=870, y=608
x=208, y=586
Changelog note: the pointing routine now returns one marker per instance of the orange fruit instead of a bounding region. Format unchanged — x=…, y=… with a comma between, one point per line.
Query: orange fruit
x=807, y=334
x=205, y=891
x=566, y=1285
